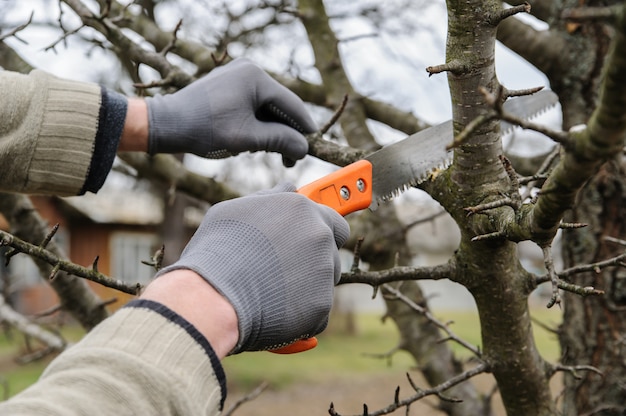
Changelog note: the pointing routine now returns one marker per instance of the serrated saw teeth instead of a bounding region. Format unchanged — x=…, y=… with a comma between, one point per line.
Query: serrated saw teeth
x=412, y=183
x=531, y=106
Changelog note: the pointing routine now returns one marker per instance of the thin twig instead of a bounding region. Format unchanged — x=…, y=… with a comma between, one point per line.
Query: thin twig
x=454, y=66
x=522, y=92
x=615, y=240
x=554, y=278
x=396, y=274
x=496, y=101
x=335, y=115
x=503, y=202
x=594, y=267
x=172, y=43
x=542, y=171
x=248, y=397
x=451, y=335
x=22, y=246
x=471, y=127
x=13, y=33
x=574, y=369
x=496, y=18
x=29, y=328
x=421, y=393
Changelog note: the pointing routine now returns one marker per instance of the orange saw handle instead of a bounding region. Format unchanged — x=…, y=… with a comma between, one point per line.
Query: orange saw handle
x=347, y=190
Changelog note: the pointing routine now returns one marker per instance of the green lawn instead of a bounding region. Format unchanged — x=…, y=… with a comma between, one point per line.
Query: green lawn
x=343, y=356
x=336, y=356
x=466, y=326
x=16, y=377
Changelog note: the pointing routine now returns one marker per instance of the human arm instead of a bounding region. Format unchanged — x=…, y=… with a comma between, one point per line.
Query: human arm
x=60, y=137
x=136, y=130
x=56, y=136
x=233, y=109
x=182, y=291
x=259, y=271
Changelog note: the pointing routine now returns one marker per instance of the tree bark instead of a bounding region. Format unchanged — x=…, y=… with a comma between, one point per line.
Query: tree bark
x=75, y=295
x=593, y=328
x=25, y=326
x=489, y=269
x=419, y=337
x=590, y=328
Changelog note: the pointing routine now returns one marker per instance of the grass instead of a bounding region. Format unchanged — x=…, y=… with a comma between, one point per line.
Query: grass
x=337, y=356
x=467, y=326
x=16, y=377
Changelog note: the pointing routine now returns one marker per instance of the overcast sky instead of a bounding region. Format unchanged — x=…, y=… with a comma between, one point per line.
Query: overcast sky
x=385, y=60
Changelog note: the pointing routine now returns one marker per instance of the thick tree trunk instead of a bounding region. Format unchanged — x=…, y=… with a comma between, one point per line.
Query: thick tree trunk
x=489, y=269
x=593, y=328
x=419, y=337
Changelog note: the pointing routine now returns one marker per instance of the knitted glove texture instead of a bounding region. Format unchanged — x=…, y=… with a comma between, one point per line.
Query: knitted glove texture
x=274, y=255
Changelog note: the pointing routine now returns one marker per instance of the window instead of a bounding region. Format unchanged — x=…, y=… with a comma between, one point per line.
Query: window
x=127, y=252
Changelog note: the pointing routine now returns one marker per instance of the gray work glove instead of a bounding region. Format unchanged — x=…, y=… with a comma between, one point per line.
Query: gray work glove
x=274, y=255
x=235, y=108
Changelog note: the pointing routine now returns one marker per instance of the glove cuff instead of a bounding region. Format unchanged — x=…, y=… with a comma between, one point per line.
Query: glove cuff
x=258, y=316
x=164, y=127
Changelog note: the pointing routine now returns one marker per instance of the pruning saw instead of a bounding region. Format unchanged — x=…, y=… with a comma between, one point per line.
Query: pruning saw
x=391, y=170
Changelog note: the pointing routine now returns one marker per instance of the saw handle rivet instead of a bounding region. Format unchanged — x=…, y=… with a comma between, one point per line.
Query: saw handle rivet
x=344, y=192
x=360, y=185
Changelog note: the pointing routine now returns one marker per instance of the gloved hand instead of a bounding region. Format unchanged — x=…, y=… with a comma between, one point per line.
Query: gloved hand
x=274, y=255
x=235, y=108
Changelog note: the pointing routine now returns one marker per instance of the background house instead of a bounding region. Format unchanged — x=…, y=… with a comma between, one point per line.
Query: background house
x=120, y=226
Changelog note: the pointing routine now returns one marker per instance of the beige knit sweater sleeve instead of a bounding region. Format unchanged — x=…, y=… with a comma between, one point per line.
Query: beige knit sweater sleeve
x=39, y=153
x=141, y=361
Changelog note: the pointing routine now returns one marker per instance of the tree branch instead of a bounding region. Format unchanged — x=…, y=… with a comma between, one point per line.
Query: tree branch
x=58, y=264
x=25, y=326
x=170, y=171
x=14, y=32
x=115, y=35
x=75, y=295
x=609, y=14
x=397, y=274
x=421, y=393
x=541, y=48
x=443, y=326
x=573, y=370
x=248, y=397
x=591, y=147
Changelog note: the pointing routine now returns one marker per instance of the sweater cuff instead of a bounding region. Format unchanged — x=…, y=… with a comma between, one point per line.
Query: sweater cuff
x=178, y=320
x=111, y=120
x=63, y=150
x=168, y=345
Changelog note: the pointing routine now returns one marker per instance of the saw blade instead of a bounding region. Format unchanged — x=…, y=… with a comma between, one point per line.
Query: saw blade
x=528, y=107
x=409, y=162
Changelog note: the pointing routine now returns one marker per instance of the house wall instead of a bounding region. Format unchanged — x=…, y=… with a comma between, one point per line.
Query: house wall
x=82, y=240
x=88, y=240
x=4, y=225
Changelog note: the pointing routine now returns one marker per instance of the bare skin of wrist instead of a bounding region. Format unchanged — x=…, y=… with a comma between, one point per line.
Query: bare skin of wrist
x=135, y=133
x=189, y=295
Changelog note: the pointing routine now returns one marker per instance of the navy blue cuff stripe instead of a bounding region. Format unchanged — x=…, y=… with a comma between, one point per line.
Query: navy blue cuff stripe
x=172, y=316
x=110, y=126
